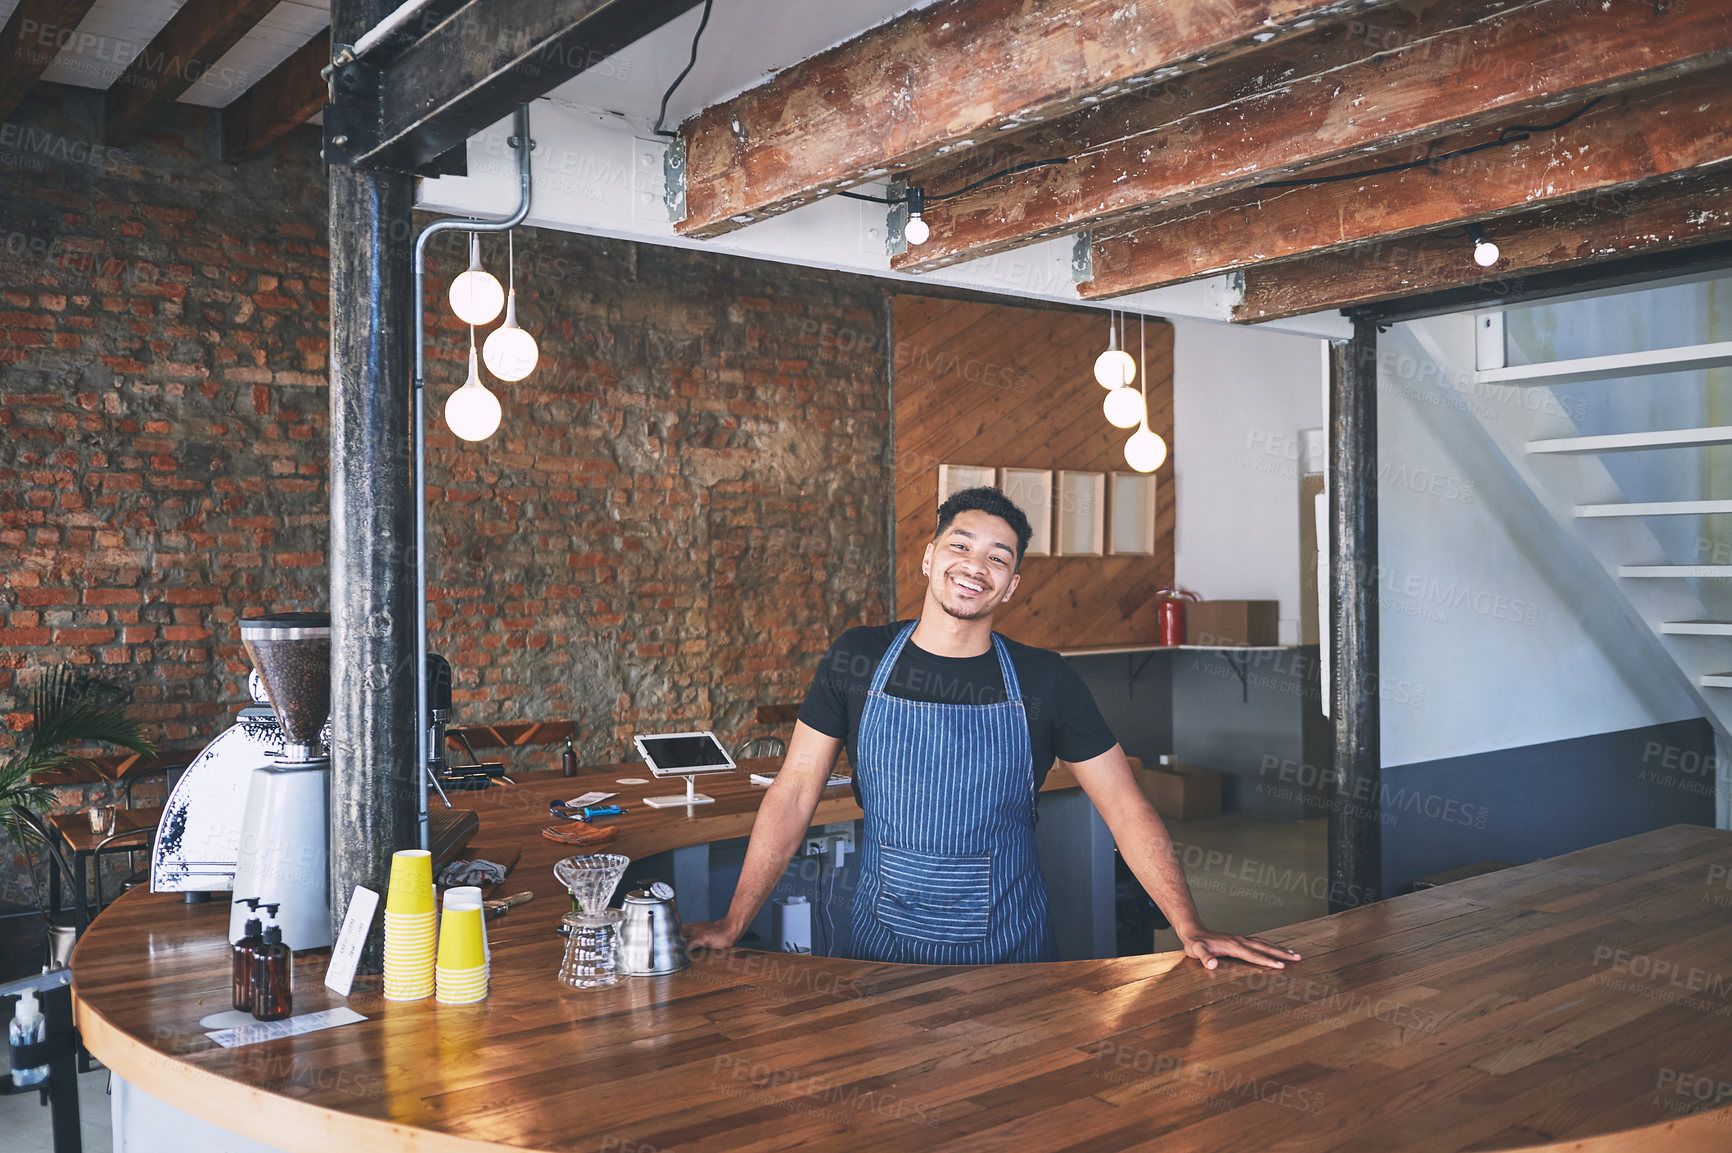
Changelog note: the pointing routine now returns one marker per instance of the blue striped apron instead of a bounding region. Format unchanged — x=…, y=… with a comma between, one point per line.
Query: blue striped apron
x=948, y=870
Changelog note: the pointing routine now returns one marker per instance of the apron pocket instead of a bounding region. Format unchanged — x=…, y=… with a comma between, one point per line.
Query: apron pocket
x=941, y=900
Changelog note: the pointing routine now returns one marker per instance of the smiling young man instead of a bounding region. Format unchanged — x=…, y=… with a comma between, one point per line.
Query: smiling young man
x=951, y=729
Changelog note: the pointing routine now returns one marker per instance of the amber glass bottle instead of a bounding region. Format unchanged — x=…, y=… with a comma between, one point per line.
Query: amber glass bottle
x=273, y=970
x=243, y=959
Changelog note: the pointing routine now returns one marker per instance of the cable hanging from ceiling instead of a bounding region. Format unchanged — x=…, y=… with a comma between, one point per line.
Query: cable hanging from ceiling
x=661, y=117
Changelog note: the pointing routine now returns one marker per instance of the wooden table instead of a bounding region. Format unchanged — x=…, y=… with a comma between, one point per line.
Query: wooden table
x=1581, y=1002
x=74, y=832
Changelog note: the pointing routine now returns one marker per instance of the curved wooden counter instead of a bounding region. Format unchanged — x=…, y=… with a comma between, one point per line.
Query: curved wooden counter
x=1560, y=1002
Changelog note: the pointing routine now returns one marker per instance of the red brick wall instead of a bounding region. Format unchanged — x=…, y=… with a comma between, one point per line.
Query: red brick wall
x=687, y=499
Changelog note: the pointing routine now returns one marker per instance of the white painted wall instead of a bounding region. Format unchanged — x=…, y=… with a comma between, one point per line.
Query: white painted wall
x=1240, y=398
x=1495, y=631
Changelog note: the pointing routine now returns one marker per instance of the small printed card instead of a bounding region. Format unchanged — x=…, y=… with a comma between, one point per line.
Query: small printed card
x=589, y=799
x=287, y=1027
x=346, y=954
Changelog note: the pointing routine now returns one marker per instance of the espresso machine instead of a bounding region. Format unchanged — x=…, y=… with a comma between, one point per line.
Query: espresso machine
x=282, y=857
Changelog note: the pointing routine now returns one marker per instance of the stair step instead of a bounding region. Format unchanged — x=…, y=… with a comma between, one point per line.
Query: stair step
x=1675, y=570
x=1646, y=363
x=1626, y=441
x=1717, y=680
x=1655, y=508
x=1697, y=628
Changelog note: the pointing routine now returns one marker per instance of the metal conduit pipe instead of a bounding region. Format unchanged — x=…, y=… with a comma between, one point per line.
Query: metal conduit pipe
x=524, y=146
x=371, y=38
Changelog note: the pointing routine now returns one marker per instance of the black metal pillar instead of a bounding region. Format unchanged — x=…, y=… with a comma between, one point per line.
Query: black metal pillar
x=1356, y=809
x=373, y=674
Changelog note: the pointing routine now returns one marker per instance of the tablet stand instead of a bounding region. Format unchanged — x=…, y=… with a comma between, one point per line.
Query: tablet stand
x=692, y=797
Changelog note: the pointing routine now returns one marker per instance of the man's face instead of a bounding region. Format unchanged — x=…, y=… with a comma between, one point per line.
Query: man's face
x=971, y=567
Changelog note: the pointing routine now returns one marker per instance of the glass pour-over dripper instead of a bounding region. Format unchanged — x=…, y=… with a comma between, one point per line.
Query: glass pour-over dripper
x=590, y=961
x=592, y=880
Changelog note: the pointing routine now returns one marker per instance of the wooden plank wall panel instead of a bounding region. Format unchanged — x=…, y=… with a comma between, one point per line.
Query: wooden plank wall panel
x=997, y=385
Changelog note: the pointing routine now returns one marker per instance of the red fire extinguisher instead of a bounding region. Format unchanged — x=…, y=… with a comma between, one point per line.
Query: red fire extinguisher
x=1171, y=614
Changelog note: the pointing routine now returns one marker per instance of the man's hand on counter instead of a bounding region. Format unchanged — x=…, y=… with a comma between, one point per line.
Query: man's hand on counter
x=783, y=817
x=710, y=935
x=1209, y=948
x=1142, y=838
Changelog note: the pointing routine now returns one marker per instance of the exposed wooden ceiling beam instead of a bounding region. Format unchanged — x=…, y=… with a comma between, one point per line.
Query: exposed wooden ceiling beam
x=187, y=47
x=1677, y=214
x=291, y=95
x=1656, y=132
x=946, y=77
x=470, y=71
x=1541, y=55
x=30, y=40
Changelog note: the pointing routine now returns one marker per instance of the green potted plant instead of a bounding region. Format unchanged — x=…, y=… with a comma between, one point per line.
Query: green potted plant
x=67, y=708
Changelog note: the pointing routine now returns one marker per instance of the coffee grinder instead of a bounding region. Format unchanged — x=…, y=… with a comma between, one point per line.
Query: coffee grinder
x=284, y=834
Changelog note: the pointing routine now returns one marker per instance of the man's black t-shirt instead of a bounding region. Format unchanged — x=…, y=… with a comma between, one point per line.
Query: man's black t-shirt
x=1063, y=720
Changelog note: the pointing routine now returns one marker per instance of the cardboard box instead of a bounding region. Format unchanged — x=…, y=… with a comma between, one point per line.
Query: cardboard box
x=1232, y=623
x=1182, y=792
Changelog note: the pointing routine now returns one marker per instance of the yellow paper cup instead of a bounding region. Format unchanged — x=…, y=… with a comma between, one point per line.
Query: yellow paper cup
x=411, y=889
x=469, y=897
x=461, y=943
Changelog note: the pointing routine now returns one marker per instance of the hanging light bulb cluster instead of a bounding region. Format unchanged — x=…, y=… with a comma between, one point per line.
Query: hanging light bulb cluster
x=510, y=353
x=1125, y=406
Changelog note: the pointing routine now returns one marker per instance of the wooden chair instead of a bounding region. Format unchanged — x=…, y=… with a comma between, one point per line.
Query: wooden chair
x=65, y=920
x=131, y=842
x=768, y=746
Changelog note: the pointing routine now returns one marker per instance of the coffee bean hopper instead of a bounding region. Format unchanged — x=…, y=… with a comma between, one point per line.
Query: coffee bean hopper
x=282, y=858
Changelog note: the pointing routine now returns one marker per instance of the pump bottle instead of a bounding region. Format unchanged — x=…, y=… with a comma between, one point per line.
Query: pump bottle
x=243, y=957
x=28, y=1028
x=273, y=973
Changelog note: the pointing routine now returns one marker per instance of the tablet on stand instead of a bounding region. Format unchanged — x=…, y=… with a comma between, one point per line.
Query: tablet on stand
x=683, y=755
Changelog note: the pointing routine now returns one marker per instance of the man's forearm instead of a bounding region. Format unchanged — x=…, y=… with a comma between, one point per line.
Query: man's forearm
x=780, y=827
x=1141, y=835
x=1149, y=851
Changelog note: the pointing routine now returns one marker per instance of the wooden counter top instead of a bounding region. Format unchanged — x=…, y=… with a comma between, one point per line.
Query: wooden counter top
x=1557, y=1002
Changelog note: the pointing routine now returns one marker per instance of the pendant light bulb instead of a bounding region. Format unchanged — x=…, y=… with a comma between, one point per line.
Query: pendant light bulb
x=472, y=412
x=1485, y=253
x=1145, y=451
x=917, y=231
x=1114, y=368
x=510, y=352
x=1124, y=408
x=476, y=297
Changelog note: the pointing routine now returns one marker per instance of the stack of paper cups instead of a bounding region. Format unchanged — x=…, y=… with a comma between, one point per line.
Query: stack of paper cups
x=409, y=927
x=461, y=975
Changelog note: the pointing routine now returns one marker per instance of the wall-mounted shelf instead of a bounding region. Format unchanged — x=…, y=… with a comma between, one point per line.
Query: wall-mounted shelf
x=1134, y=668
x=1109, y=650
